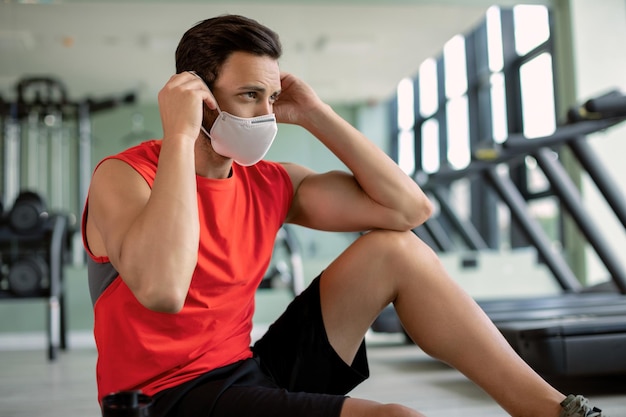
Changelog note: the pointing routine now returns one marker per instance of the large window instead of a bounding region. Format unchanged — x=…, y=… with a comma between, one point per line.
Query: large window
x=486, y=85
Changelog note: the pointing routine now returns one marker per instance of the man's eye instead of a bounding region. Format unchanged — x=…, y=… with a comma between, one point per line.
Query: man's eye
x=251, y=94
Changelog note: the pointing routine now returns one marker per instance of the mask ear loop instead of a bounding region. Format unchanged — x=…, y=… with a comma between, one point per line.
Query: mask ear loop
x=200, y=78
x=217, y=105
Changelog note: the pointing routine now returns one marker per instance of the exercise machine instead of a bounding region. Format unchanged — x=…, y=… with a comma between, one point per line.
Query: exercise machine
x=33, y=250
x=582, y=330
x=45, y=148
x=286, y=269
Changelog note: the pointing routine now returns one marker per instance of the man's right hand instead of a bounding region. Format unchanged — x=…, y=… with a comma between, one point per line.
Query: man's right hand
x=180, y=105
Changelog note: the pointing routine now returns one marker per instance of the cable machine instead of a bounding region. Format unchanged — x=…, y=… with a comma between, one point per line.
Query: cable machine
x=45, y=148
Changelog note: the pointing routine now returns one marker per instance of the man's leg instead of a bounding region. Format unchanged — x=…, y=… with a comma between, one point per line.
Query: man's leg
x=383, y=267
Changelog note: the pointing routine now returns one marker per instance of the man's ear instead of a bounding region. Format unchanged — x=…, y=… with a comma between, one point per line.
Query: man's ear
x=208, y=117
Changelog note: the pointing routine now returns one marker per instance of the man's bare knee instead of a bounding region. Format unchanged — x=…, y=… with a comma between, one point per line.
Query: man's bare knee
x=392, y=245
x=403, y=254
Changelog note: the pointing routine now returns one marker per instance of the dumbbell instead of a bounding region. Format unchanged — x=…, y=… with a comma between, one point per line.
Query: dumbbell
x=27, y=276
x=126, y=404
x=28, y=213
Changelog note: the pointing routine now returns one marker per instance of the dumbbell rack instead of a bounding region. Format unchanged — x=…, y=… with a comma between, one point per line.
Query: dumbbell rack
x=21, y=251
x=45, y=147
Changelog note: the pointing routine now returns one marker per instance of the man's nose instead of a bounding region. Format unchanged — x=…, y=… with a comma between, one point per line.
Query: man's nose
x=265, y=107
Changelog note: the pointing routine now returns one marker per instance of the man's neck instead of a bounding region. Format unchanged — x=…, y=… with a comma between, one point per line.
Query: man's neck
x=209, y=164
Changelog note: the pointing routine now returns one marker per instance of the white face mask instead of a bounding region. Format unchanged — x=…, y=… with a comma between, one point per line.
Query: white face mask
x=245, y=140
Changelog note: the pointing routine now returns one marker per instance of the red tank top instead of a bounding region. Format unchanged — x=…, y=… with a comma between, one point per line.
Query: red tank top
x=239, y=217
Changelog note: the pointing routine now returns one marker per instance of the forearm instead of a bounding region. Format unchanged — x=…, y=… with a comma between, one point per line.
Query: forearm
x=377, y=174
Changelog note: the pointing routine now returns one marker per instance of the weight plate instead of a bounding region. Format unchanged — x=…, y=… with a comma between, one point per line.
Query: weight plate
x=28, y=212
x=26, y=276
x=24, y=217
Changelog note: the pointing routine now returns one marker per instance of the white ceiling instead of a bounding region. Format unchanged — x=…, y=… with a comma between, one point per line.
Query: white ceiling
x=348, y=51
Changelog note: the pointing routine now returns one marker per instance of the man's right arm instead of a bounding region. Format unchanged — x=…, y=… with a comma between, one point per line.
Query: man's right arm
x=151, y=235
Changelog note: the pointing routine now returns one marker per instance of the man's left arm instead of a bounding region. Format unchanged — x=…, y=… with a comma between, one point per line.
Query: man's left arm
x=376, y=194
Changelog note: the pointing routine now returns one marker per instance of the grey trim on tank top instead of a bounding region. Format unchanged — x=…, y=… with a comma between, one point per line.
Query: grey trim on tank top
x=100, y=276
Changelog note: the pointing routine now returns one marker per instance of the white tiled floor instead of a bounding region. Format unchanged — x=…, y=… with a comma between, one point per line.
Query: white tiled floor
x=31, y=386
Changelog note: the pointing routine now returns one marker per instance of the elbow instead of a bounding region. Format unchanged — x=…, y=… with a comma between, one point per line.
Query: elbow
x=417, y=217
x=427, y=210
x=161, y=301
x=164, y=295
x=167, y=307
x=162, y=286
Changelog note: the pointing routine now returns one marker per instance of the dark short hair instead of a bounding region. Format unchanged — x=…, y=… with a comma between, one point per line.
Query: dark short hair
x=206, y=46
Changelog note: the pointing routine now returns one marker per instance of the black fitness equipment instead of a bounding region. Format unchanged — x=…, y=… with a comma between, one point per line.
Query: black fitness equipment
x=126, y=404
x=581, y=332
x=29, y=213
x=285, y=270
x=28, y=276
x=45, y=147
x=33, y=250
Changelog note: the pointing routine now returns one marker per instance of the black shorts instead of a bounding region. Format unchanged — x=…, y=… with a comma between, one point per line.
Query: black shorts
x=294, y=372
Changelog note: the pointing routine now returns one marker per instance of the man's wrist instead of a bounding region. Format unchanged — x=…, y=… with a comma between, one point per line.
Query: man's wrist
x=317, y=118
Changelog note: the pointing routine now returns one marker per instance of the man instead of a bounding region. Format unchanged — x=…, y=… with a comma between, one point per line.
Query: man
x=180, y=232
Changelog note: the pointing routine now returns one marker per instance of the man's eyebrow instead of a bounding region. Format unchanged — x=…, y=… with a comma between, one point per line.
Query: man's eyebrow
x=251, y=88
x=257, y=88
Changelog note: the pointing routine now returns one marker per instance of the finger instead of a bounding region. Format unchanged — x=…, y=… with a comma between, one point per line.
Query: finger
x=286, y=79
x=208, y=97
x=180, y=79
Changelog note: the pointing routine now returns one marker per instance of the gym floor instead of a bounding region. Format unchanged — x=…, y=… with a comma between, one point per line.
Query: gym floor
x=32, y=386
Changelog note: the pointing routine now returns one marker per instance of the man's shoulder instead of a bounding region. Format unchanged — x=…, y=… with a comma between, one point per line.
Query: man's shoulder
x=270, y=175
x=265, y=167
x=143, y=158
x=147, y=150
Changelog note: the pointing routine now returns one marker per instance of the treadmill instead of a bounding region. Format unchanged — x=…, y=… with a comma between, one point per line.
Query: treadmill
x=570, y=335
x=582, y=331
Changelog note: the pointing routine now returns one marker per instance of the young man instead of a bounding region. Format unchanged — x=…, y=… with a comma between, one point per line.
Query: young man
x=180, y=232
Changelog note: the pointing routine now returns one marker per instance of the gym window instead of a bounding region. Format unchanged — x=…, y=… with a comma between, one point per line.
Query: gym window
x=487, y=84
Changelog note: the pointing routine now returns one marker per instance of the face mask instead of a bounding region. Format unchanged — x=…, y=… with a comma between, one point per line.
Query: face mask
x=245, y=140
